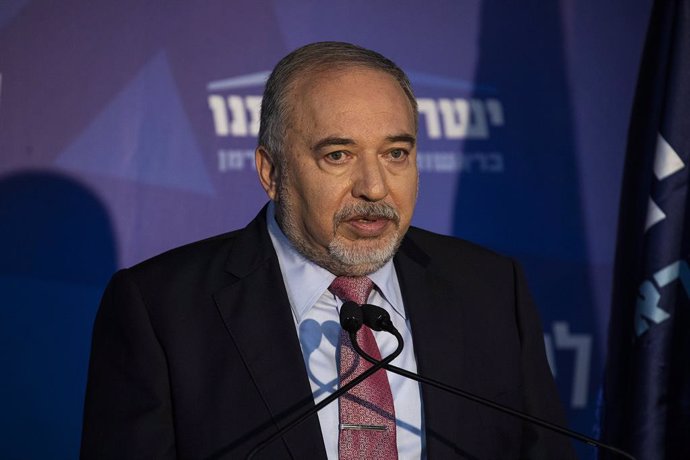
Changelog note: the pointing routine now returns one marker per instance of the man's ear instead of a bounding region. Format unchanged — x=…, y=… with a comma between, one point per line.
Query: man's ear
x=268, y=173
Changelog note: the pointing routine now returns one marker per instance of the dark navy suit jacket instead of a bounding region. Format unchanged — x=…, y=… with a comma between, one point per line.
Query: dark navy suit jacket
x=195, y=354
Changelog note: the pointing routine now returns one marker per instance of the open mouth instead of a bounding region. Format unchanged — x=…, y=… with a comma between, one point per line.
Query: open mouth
x=368, y=226
x=366, y=220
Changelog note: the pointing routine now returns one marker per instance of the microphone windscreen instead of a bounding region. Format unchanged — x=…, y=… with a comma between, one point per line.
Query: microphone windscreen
x=376, y=317
x=351, y=316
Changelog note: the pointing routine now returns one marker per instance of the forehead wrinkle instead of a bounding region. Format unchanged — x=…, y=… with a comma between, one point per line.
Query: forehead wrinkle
x=306, y=106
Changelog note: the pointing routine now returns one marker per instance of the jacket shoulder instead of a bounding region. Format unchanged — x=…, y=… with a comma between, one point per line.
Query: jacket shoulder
x=447, y=250
x=191, y=253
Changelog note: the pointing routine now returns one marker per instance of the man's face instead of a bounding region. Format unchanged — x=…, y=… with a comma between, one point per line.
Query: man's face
x=347, y=192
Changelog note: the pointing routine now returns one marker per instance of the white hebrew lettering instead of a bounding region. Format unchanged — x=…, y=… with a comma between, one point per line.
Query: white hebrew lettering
x=582, y=345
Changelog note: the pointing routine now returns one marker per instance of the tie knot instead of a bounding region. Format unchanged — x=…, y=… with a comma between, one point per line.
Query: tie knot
x=355, y=288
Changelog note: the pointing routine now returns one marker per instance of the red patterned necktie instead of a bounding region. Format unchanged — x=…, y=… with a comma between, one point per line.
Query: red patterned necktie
x=367, y=415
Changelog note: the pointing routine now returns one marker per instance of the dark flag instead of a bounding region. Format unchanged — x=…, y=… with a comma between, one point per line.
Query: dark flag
x=646, y=394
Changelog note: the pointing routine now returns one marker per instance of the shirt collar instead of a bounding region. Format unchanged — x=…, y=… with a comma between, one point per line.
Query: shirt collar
x=306, y=281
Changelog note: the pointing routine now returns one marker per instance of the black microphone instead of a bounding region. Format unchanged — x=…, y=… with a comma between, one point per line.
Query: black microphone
x=378, y=319
x=351, y=318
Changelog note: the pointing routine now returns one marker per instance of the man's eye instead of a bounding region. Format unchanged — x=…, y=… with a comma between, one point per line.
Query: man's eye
x=336, y=156
x=397, y=154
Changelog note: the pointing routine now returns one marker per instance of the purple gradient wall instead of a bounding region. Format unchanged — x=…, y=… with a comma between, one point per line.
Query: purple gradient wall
x=127, y=128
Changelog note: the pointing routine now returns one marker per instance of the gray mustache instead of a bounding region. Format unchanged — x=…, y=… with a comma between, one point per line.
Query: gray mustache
x=368, y=211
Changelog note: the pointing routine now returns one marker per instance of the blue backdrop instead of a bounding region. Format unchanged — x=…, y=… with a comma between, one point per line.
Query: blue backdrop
x=128, y=127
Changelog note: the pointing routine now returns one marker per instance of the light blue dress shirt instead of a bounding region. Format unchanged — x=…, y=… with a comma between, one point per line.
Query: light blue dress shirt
x=316, y=313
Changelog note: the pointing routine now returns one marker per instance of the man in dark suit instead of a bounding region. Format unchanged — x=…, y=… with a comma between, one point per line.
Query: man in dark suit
x=205, y=350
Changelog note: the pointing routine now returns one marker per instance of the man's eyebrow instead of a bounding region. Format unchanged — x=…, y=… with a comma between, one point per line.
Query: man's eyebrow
x=328, y=141
x=403, y=138
x=332, y=141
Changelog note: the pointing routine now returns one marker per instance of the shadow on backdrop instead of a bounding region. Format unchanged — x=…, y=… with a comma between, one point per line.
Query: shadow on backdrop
x=532, y=210
x=58, y=253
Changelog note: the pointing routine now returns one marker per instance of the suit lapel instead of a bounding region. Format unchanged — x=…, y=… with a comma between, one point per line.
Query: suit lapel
x=436, y=320
x=256, y=312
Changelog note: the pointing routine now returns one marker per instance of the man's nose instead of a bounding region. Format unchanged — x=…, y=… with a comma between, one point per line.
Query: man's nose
x=370, y=179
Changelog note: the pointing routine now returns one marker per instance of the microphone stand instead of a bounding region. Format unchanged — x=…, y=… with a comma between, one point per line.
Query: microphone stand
x=378, y=319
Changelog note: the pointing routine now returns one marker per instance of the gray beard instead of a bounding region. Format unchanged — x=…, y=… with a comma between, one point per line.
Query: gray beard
x=344, y=257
